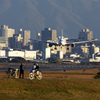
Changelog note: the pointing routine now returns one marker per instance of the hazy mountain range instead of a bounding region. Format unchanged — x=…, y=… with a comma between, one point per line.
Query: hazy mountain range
x=35, y=15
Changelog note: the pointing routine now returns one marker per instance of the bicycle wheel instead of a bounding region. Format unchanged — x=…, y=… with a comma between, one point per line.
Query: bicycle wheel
x=16, y=75
x=39, y=76
x=31, y=76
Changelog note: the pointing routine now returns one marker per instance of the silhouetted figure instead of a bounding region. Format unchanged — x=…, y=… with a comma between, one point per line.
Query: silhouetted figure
x=37, y=67
x=21, y=71
x=64, y=70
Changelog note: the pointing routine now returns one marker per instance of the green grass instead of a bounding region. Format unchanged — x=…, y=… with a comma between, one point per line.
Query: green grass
x=25, y=89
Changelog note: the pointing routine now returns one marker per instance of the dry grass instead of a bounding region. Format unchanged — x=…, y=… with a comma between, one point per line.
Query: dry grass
x=70, y=74
x=25, y=89
x=55, y=85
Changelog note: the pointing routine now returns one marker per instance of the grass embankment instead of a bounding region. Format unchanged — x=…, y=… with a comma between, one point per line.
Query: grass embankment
x=18, y=89
x=55, y=85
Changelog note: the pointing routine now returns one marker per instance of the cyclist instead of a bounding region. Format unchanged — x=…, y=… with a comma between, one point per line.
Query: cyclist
x=35, y=72
x=33, y=68
x=37, y=67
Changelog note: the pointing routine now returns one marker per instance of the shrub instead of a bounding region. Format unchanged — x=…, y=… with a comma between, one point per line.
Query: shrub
x=18, y=59
x=54, y=60
x=97, y=75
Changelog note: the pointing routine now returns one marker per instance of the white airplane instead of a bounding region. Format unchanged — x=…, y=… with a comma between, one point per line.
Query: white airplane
x=62, y=42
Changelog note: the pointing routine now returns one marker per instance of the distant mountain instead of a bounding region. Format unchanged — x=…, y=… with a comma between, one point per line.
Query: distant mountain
x=35, y=15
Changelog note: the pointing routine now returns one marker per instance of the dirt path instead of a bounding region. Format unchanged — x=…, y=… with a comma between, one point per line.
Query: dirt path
x=69, y=74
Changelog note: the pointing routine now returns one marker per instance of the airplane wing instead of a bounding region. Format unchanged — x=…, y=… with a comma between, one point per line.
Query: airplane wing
x=52, y=43
x=66, y=44
x=79, y=42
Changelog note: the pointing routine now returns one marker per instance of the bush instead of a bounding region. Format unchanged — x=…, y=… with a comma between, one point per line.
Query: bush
x=97, y=75
x=54, y=60
x=18, y=59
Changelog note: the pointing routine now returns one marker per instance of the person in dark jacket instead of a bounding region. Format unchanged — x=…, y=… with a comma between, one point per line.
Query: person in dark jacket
x=21, y=71
x=37, y=67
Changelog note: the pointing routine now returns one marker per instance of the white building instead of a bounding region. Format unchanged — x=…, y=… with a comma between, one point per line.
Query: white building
x=27, y=34
x=16, y=54
x=95, y=49
x=46, y=53
x=30, y=55
x=85, y=49
x=60, y=54
x=2, y=53
x=95, y=58
x=74, y=56
x=6, y=32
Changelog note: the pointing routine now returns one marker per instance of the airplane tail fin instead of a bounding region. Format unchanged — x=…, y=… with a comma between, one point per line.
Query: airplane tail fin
x=62, y=33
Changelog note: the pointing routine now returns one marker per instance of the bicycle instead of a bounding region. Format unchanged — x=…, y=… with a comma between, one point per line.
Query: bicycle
x=35, y=75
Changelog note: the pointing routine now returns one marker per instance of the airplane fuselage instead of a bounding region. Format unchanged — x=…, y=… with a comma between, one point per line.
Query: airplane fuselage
x=61, y=42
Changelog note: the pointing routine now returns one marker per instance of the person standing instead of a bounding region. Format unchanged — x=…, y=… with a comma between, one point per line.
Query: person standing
x=21, y=71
